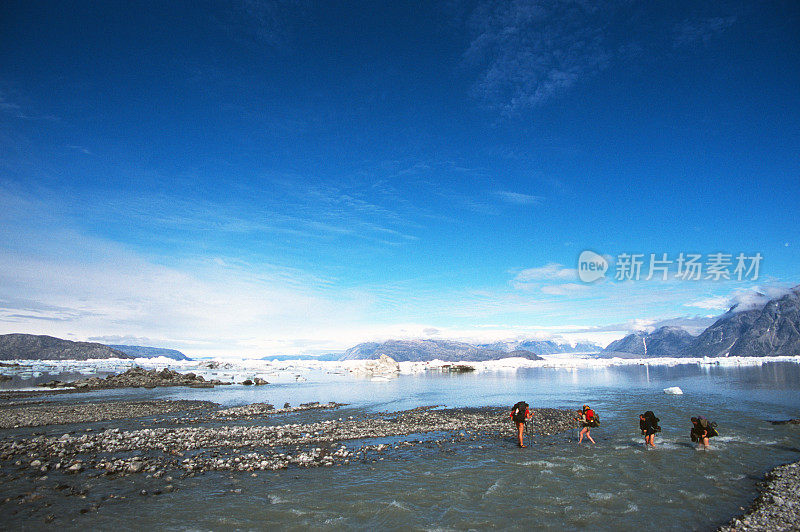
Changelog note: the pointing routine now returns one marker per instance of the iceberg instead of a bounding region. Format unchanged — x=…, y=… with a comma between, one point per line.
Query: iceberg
x=673, y=390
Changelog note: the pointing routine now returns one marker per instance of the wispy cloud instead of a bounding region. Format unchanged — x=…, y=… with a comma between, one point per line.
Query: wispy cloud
x=516, y=198
x=741, y=299
x=564, y=289
x=527, y=52
x=549, y=271
x=530, y=51
x=8, y=107
x=84, y=150
x=14, y=109
x=711, y=303
x=270, y=22
x=702, y=30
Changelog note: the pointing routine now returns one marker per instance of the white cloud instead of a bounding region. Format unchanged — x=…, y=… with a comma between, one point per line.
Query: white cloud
x=742, y=299
x=711, y=303
x=549, y=271
x=564, y=289
x=516, y=198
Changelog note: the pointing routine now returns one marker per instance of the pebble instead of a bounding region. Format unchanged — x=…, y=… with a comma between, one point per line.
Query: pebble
x=778, y=506
x=233, y=447
x=34, y=415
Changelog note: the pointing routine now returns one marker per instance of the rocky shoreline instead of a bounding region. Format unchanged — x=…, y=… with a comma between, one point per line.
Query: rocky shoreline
x=778, y=506
x=137, y=377
x=18, y=415
x=193, y=446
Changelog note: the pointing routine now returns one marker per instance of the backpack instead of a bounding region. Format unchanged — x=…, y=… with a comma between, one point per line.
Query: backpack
x=518, y=412
x=595, y=420
x=651, y=417
x=709, y=426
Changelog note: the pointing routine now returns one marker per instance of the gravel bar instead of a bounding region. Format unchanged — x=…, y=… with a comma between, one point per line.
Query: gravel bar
x=254, y=447
x=41, y=414
x=778, y=506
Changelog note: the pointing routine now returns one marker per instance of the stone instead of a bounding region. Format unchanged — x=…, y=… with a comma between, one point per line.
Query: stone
x=135, y=467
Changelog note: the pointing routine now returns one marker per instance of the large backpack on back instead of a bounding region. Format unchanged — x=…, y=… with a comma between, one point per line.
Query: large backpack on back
x=653, y=420
x=518, y=412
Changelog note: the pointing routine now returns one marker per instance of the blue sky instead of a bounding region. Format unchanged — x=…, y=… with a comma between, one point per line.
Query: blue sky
x=248, y=178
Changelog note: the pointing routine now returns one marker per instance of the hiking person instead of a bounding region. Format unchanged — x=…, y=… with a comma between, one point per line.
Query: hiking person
x=588, y=419
x=702, y=430
x=520, y=414
x=648, y=424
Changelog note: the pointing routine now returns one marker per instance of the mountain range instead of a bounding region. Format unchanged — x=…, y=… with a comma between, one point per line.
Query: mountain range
x=772, y=330
x=40, y=347
x=424, y=350
x=544, y=347
x=769, y=330
x=139, y=351
x=663, y=342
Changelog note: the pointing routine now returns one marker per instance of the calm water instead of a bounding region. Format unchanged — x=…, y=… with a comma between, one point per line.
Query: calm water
x=553, y=484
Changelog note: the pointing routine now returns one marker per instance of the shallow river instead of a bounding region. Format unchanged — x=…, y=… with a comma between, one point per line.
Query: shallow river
x=553, y=484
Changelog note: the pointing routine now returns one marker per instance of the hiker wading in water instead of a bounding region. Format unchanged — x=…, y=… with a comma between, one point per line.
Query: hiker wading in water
x=702, y=430
x=648, y=424
x=520, y=413
x=588, y=420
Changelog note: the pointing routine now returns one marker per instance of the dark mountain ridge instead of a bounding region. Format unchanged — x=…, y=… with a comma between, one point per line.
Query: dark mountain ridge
x=40, y=347
x=666, y=342
x=772, y=330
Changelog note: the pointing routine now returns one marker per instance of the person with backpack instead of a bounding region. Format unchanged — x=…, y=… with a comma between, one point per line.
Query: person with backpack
x=702, y=430
x=520, y=414
x=648, y=424
x=588, y=419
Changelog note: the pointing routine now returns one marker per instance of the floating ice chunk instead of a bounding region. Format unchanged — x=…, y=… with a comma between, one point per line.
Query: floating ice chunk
x=673, y=390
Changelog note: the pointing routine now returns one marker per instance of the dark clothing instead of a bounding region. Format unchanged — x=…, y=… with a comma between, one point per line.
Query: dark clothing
x=520, y=412
x=701, y=428
x=707, y=428
x=649, y=425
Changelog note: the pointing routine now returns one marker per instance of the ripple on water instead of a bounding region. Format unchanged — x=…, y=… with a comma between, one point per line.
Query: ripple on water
x=401, y=506
x=276, y=499
x=694, y=495
x=540, y=463
x=492, y=488
x=601, y=495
